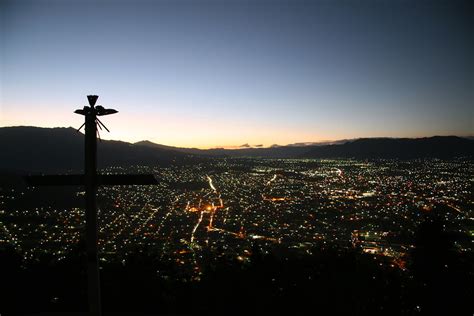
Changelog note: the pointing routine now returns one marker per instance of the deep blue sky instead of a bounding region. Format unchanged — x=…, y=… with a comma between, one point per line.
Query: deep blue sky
x=209, y=73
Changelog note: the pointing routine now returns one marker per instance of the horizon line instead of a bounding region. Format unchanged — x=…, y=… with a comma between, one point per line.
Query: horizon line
x=249, y=146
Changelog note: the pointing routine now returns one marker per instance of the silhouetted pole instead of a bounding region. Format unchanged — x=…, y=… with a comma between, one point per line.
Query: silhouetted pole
x=91, y=180
x=90, y=170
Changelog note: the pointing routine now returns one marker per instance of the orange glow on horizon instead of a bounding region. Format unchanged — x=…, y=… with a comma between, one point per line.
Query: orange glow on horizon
x=187, y=131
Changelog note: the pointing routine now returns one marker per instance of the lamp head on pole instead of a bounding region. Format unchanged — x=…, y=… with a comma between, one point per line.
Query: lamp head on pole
x=92, y=99
x=95, y=111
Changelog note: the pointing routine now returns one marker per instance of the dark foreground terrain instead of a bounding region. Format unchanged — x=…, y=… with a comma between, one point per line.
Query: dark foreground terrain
x=436, y=279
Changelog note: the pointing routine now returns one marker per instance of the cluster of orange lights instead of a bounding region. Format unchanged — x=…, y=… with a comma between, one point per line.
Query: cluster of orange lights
x=274, y=199
x=207, y=208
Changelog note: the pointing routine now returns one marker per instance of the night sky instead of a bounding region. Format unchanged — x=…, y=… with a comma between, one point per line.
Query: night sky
x=209, y=73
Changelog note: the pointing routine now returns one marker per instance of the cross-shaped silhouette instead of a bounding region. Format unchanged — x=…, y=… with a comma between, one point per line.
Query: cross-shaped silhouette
x=90, y=179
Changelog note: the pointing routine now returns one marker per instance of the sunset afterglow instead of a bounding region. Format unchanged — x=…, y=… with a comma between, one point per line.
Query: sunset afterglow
x=215, y=75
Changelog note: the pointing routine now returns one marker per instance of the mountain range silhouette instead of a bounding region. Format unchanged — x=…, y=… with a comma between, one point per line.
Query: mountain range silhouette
x=35, y=149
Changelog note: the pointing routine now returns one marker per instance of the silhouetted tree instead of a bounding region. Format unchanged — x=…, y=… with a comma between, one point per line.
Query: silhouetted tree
x=444, y=275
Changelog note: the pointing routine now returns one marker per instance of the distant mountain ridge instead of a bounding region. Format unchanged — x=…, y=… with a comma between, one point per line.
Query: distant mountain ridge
x=381, y=147
x=60, y=149
x=50, y=149
x=402, y=148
